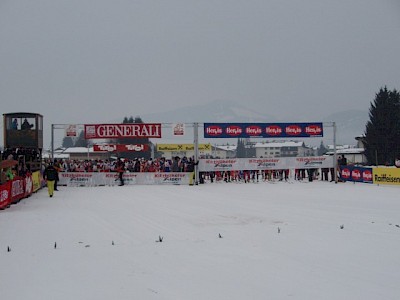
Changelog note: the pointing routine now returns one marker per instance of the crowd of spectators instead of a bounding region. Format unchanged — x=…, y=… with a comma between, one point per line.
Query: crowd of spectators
x=23, y=157
x=29, y=154
x=162, y=164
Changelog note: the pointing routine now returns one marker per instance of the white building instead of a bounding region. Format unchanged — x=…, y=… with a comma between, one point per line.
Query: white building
x=354, y=155
x=224, y=151
x=283, y=149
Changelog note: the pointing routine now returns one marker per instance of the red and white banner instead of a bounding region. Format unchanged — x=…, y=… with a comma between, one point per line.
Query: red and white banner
x=17, y=189
x=178, y=129
x=121, y=148
x=5, y=195
x=111, y=178
x=70, y=131
x=278, y=163
x=112, y=131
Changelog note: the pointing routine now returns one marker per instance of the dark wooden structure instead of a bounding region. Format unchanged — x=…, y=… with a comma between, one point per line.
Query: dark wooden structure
x=23, y=137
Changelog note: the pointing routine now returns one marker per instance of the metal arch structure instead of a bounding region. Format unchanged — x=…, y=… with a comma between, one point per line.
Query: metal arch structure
x=195, y=126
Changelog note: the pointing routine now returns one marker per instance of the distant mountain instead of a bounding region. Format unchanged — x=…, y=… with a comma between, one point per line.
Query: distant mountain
x=349, y=123
x=217, y=111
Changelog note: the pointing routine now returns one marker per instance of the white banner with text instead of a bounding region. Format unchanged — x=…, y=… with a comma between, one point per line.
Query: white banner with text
x=276, y=163
x=111, y=178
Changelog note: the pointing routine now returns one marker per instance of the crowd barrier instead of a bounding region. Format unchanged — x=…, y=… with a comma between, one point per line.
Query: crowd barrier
x=254, y=164
x=376, y=175
x=111, y=178
x=20, y=187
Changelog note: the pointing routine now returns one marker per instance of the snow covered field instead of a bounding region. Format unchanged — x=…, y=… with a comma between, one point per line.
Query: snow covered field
x=104, y=243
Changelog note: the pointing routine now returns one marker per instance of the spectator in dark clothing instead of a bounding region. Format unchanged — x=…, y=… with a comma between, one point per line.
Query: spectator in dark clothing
x=26, y=125
x=120, y=166
x=175, y=164
x=50, y=174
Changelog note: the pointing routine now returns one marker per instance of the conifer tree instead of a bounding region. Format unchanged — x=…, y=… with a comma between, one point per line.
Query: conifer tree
x=382, y=134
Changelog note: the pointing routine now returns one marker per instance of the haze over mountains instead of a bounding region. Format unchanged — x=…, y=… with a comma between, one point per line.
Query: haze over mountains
x=349, y=123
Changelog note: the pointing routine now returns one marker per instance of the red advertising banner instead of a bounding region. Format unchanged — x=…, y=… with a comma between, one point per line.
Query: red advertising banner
x=17, y=189
x=5, y=195
x=112, y=131
x=121, y=148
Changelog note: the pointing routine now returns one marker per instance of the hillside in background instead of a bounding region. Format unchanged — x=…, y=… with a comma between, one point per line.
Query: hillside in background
x=350, y=123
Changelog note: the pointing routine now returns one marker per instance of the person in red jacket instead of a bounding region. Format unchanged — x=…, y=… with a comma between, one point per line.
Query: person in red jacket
x=120, y=167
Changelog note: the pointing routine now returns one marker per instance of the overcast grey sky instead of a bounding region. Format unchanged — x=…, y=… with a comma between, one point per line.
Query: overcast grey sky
x=93, y=61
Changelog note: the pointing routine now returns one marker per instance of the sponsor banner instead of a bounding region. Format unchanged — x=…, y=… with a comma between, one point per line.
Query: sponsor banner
x=28, y=186
x=182, y=147
x=70, y=131
x=111, y=178
x=5, y=194
x=36, y=181
x=121, y=148
x=131, y=130
x=386, y=176
x=178, y=129
x=278, y=163
x=356, y=174
x=265, y=130
x=17, y=189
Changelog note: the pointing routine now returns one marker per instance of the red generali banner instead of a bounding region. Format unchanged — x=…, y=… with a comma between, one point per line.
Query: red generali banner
x=110, y=131
x=121, y=148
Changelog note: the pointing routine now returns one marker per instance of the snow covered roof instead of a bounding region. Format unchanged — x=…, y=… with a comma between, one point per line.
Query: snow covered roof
x=348, y=151
x=78, y=150
x=226, y=147
x=56, y=155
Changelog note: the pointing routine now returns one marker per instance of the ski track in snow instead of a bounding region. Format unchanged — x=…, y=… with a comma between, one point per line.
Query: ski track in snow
x=310, y=258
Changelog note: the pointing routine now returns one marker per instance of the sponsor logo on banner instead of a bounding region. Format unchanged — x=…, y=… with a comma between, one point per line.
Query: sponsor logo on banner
x=267, y=163
x=293, y=130
x=367, y=175
x=356, y=174
x=208, y=165
x=386, y=176
x=346, y=173
x=28, y=185
x=109, y=131
x=279, y=130
x=213, y=130
x=17, y=189
x=104, y=148
x=233, y=130
x=253, y=130
x=182, y=147
x=120, y=148
x=314, y=130
x=273, y=130
x=173, y=178
x=4, y=195
x=178, y=129
x=70, y=131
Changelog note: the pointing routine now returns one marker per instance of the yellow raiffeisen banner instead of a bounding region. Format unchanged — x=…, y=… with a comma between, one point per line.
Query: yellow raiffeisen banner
x=36, y=180
x=386, y=176
x=182, y=147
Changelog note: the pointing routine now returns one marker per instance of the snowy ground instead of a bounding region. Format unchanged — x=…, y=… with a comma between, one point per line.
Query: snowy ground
x=107, y=243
